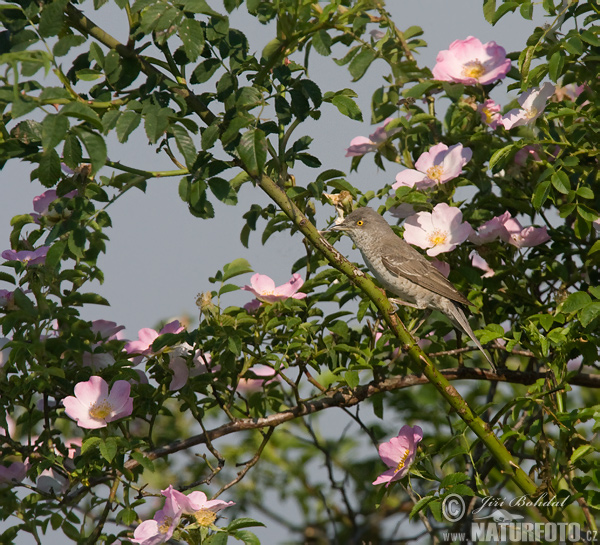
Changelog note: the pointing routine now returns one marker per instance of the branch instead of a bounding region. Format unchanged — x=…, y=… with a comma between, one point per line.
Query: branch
x=345, y=397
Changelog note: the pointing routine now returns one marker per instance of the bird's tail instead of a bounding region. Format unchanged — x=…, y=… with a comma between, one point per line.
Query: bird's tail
x=460, y=320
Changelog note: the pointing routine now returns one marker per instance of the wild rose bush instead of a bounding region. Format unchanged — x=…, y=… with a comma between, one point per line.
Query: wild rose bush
x=107, y=439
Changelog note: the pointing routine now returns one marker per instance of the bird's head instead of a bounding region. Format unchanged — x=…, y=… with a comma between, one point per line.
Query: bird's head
x=362, y=223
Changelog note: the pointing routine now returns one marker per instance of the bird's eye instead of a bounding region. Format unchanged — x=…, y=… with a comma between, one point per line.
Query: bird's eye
x=359, y=222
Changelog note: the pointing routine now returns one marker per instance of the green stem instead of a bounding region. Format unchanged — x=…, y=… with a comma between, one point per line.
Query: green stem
x=506, y=463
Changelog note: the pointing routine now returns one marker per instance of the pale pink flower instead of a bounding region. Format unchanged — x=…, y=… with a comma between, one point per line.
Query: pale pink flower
x=28, y=257
x=147, y=335
x=441, y=266
x=6, y=298
x=361, y=144
x=106, y=329
x=41, y=204
x=51, y=481
x=97, y=360
x=525, y=153
x=398, y=454
x=252, y=306
x=490, y=113
x=471, y=62
x=533, y=103
x=596, y=224
x=10, y=430
x=197, y=504
x=440, y=231
x=490, y=230
x=436, y=166
x=480, y=263
x=181, y=371
x=264, y=288
x=517, y=236
x=159, y=529
x=93, y=407
x=13, y=474
x=248, y=385
x=571, y=91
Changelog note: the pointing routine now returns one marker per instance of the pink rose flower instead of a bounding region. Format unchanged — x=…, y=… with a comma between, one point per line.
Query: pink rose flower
x=490, y=230
x=471, y=62
x=93, y=407
x=13, y=474
x=28, y=257
x=361, y=144
x=147, y=335
x=436, y=166
x=248, y=385
x=398, y=454
x=440, y=231
x=197, y=504
x=490, y=113
x=480, y=263
x=533, y=103
x=517, y=236
x=264, y=288
x=159, y=529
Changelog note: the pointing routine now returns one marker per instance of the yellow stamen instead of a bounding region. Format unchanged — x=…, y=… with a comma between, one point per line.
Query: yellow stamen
x=438, y=237
x=531, y=113
x=435, y=173
x=488, y=115
x=402, y=461
x=100, y=410
x=204, y=517
x=473, y=69
x=163, y=528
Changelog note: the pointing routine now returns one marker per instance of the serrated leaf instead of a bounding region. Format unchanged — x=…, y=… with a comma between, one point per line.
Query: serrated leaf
x=235, y=268
x=185, y=144
x=489, y=10
x=588, y=313
x=127, y=122
x=252, y=150
x=54, y=129
x=90, y=443
x=83, y=112
x=49, y=170
x=575, y=302
x=501, y=155
x=94, y=145
x=72, y=152
x=108, y=448
x=361, y=62
x=322, y=41
x=347, y=107
x=561, y=182
x=191, y=34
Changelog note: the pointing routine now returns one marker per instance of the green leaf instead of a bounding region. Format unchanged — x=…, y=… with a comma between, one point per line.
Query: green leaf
x=575, y=302
x=108, y=448
x=424, y=501
x=55, y=254
x=51, y=21
x=347, y=107
x=253, y=151
x=352, y=379
x=419, y=90
x=72, y=152
x=501, y=155
x=491, y=332
x=589, y=313
x=144, y=461
x=185, y=144
x=540, y=194
x=83, y=112
x=585, y=192
x=555, y=66
x=561, y=182
x=94, y=145
x=156, y=121
x=49, y=170
x=322, y=43
x=204, y=71
x=243, y=522
x=579, y=452
x=235, y=268
x=361, y=63
x=90, y=443
x=127, y=122
x=191, y=34
x=54, y=129
x=489, y=10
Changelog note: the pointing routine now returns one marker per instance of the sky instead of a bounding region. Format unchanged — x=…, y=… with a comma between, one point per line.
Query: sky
x=160, y=257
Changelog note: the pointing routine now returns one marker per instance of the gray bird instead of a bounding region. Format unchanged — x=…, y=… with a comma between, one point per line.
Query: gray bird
x=404, y=271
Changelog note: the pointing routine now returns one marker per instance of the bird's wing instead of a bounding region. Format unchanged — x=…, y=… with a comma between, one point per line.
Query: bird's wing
x=417, y=269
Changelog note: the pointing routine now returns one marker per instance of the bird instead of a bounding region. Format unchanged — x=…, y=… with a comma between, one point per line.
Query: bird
x=403, y=271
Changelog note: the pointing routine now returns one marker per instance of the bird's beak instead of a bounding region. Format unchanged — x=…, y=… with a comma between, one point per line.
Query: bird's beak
x=338, y=227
